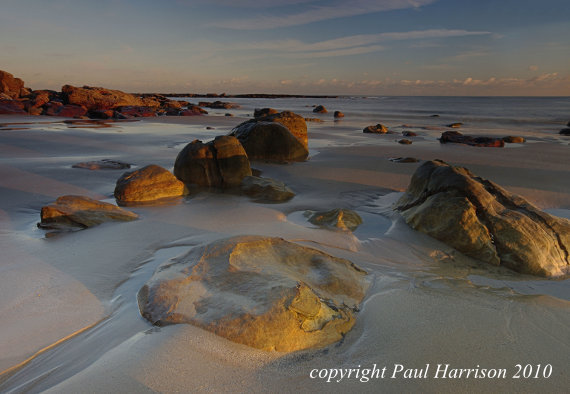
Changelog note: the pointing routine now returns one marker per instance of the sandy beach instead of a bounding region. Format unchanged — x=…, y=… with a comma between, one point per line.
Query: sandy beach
x=70, y=316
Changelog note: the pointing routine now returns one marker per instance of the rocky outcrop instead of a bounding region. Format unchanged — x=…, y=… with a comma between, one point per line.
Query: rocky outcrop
x=344, y=219
x=269, y=141
x=266, y=189
x=404, y=160
x=320, y=109
x=10, y=86
x=149, y=183
x=95, y=98
x=78, y=212
x=377, y=129
x=222, y=162
x=104, y=164
x=71, y=111
x=11, y=107
x=484, y=221
x=457, y=138
x=193, y=110
x=262, y=292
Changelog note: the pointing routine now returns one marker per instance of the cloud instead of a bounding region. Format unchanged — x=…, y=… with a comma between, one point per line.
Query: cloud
x=339, y=9
x=533, y=68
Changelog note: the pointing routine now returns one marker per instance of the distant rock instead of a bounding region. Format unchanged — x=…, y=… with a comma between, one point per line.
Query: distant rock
x=457, y=138
x=218, y=104
x=455, y=125
x=229, y=114
x=149, y=183
x=318, y=120
x=269, y=141
x=565, y=132
x=193, y=110
x=95, y=98
x=266, y=189
x=78, y=212
x=10, y=86
x=262, y=292
x=377, y=129
x=434, y=116
x=261, y=112
x=222, y=162
x=405, y=141
x=514, y=140
x=409, y=134
x=319, y=109
x=338, y=114
x=344, y=219
x=404, y=159
x=105, y=164
x=484, y=221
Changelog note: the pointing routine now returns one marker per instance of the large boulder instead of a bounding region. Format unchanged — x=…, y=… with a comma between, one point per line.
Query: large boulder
x=95, y=98
x=258, y=291
x=294, y=123
x=10, y=86
x=266, y=189
x=149, y=183
x=457, y=138
x=78, y=212
x=484, y=221
x=222, y=162
x=344, y=219
x=270, y=141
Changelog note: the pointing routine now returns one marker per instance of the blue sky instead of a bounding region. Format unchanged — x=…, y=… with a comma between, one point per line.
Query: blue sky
x=400, y=47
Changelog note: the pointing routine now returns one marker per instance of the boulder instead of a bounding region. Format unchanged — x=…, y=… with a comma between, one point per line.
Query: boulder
x=565, y=132
x=338, y=114
x=294, y=123
x=39, y=98
x=319, y=109
x=71, y=111
x=261, y=112
x=222, y=162
x=344, y=219
x=10, y=86
x=405, y=141
x=262, y=292
x=78, y=212
x=266, y=189
x=484, y=221
x=95, y=98
x=52, y=108
x=101, y=114
x=409, y=134
x=378, y=129
x=457, y=138
x=514, y=140
x=12, y=107
x=104, y=164
x=193, y=110
x=455, y=125
x=147, y=184
x=269, y=141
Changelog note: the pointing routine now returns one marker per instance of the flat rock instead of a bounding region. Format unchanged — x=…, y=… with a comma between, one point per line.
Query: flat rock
x=96, y=98
x=266, y=189
x=344, y=219
x=457, y=138
x=149, y=183
x=484, y=221
x=262, y=292
x=404, y=159
x=377, y=129
x=222, y=162
x=78, y=212
x=405, y=141
x=105, y=164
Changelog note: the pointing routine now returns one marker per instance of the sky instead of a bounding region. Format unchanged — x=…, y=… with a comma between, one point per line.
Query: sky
x=359, y=47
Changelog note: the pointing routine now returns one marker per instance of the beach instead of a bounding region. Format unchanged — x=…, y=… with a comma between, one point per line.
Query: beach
x=71, y=322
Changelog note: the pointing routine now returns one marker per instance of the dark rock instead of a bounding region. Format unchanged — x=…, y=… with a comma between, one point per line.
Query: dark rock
x=261, y=112
x=149, y=183
x=434, y=116
x=193, y=110
x=266, y=189
x=229, y=115
x=218, y=105
x=104, y=164
x=458, y=138
x=137, y=111
x=484, y=221
x=409, y=134
x=514, y=140
x=565, y=132
x=404, y=160
x=405, y=141
x=319, y=109
x=10, y=86
x=338, y=114
x=101, y=114
x=12, y=107
x=377, y=129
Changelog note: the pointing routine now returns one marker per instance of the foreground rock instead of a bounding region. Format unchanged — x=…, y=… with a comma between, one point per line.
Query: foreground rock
x=149, y=183
x=344, y=219
x=457, y=138
x=294, y=123
x=222, y=162
x=104, y=164
x=78, y=212
x=270, y=141
x=378, y=129
x=263, y=292
x=484, y=221
x=266, y=189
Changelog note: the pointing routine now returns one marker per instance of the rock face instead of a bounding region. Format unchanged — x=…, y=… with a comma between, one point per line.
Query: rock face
x=457, y=138
x=94, y=98
x=10, y=86
x=147, y=184
x=263, y=292
x=320, y=109
x=344, y=219
x=266, y=189
x=484, y=221
x=72, y=212
x=378, y=129
x=222, y=162
x=269, y=141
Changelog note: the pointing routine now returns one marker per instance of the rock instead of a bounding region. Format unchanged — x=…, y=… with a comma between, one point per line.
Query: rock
x=71, y=111
x=149, y=183
x=344, y=219
x=193, y=110
x=137, y=111
x=514, y=140
x=455, y=125
x=104, y=164
x=262, y=292
x=261, y=112
x=565, y=132
x=218, y=104
x=95, y=98
x=434, y=116
x=338, y=114
x=405, y=141
x=294, y=123
x=313, y=120
x=73, y=212
x=269, y=141
x=266, y=189
x=319, y=109
x=52, y=108
x=9, y=85
x=482, y=220
x=378, y=129
x=404, y=160
x=39, y=98
x=12, y=107
x=222, y=162
x=458, y=138
x=228, y=114
x=101, y=114
x=409, y=134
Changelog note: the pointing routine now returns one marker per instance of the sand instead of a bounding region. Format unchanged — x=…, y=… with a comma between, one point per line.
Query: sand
x=72, y=297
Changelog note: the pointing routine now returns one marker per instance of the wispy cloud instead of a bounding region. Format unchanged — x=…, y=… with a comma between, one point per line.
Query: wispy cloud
x=315, y=13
